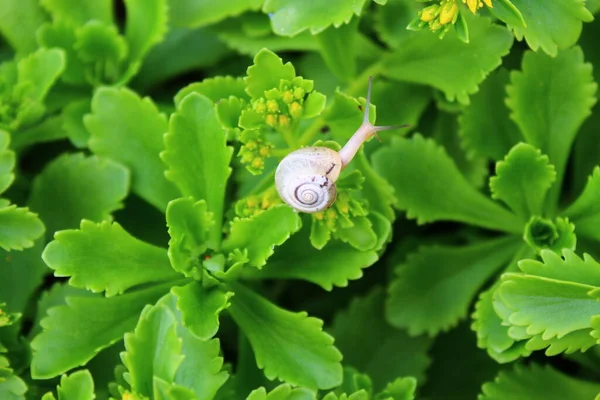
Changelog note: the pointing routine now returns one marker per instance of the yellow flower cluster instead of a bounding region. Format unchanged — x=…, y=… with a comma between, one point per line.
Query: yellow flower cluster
x=475, y=4
x=438, y=16
x=256, y=203
x=279, y=106
x=341, y=212
x=254, y=150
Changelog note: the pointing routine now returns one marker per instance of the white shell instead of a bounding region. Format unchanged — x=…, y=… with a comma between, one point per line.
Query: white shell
x=305, y=179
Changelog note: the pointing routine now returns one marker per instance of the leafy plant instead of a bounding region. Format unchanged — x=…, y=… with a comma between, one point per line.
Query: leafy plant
x=147, y=254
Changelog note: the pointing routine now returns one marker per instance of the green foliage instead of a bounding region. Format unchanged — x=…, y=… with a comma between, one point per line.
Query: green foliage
x=537, y=382
x=114, y=132
x=76, y=386
x=290, y=346
x=146, y=252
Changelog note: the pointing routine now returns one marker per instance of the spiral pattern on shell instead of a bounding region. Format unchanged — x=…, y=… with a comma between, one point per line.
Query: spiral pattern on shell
x=305, y=179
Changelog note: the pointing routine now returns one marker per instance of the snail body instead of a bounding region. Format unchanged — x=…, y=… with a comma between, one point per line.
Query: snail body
x=305, y=178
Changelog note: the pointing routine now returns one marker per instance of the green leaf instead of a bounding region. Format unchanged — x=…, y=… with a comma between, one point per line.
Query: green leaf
x=289, y=17
x=569, y=268
x=523, y=179
x=488, y=113
x=200, y=369
x=334, y=265
x=47, y=130
x=492, y=334
x=434, y=287
x=189, y=224
x=445, y=131
x=19, y=21
x=104, y=257
x=7, y=162
x=549, y=101
x=130, y=130
x=262, y=232
x=372, y=346
x=566, y=16
x=19, y=227
x=163, y=390
x=338, y=49
x=546, y=306
x=266, y=72
x=194, y=13
x=420, y=172
x=387, y=95
x=282, y=392
x=181, y=51
x=21, y=274
x=390, y=22
x=145, y=26
x=376, y=190
x=93, y=187
x=289, y=346
x=12, y=387
x=535, y=382
x=62, y=34
x=450, y=65
x=99, y=42
x=153, y=349
x=72, y=122
x=200, y=308
x=36, y=74
x=217, y=88
x=77, y=386
x=74, y=333
x=447, y=379
x=80, y=11
x=585, y=210
x=400, y=389
x=198, y=157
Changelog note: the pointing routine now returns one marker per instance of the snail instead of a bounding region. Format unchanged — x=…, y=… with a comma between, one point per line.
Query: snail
x=305, y=178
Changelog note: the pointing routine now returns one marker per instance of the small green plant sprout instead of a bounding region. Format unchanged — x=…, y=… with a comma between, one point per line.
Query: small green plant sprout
x=305, y=179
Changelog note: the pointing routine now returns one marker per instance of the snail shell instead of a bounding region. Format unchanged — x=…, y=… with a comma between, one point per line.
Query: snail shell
x=305, y=179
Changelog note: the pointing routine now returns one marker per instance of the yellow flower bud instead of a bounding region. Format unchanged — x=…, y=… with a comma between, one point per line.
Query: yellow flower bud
x=429, y=13
x=449, y=11
x=271, y=120
x=260, y=107
x=251, y=145
x=330, y=214
x=247, y=157
x=319, y=215
x=258, y=163
x=284, y=120
x=287, y=97
x=272, y=106
x=266, y=203
x=252, y=201
x=488, y=3
x=264, y=151
x=472, y=4
x=295, y=109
